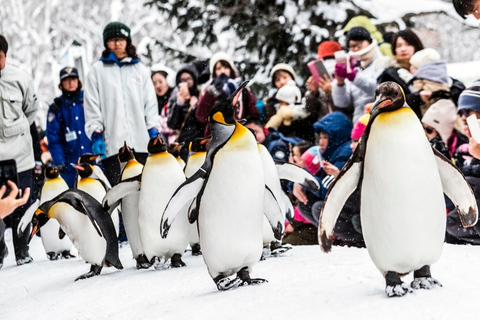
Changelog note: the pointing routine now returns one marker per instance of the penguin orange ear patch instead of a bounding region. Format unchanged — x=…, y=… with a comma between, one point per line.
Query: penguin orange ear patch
x=218, y=117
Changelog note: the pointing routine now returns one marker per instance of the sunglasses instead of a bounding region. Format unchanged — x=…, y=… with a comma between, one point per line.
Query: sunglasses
x=428, y=130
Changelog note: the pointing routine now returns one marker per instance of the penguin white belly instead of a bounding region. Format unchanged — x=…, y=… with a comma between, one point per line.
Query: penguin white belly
x=161, y=177
x=402, y=206
x=80, y=230
x=50, y=239
x=231, y=212
x=130, y=205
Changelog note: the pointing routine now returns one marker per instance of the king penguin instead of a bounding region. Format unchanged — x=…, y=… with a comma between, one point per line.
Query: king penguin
x=87, y=224
x=230, y=192
x=174, y=149
x=402, y=180
x=54, y=241
x=197, y=153
x=161, y=176
x=127, y=193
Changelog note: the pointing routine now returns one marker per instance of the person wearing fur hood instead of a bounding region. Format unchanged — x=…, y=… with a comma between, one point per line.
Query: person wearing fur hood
x=356, y=76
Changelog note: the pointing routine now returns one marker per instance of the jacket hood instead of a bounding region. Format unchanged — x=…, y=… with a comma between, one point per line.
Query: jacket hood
x=190, y=68
x=338, y=127
x=434, y=71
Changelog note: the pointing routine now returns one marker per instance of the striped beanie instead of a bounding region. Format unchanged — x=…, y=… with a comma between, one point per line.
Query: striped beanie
x=360, y=126
x=312, y=159
x=470, y=98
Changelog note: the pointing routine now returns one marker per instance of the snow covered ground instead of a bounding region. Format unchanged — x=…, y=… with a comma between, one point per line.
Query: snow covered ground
x=307, y=284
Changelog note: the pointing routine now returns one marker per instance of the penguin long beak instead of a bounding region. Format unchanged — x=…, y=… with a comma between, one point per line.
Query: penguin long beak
x=39, y=219
x=380, y=103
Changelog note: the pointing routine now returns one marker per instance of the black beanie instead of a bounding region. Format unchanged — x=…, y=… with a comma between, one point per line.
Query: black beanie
x=358, y=34
x=116, y=30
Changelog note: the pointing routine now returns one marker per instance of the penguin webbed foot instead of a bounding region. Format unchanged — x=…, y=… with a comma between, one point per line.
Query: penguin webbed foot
x=244, y=275
x=277, y=248
x=196, y=250
x=142, y=262
x=225, y=283
x=422, y=279
x=67, y=255
x=52, y=256
x=176, y=261
x=94, y=271
x=395, y=286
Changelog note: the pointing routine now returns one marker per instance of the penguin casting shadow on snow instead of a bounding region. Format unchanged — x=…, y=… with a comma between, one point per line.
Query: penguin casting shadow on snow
x=402, y=180
x=229, y=189
x=87, y=224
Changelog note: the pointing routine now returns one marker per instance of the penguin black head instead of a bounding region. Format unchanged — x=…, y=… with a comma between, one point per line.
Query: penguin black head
x=125, y=153
x=84, y=169
x=39, y=219
x=223, y=111
x=199, y=144
x=389, y=97
x=88, y=158
x=156, y=145
x=174, y=149
x=51, y=172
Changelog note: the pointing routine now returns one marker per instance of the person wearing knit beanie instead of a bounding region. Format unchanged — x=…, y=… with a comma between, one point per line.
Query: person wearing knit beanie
x=327, y=49
x=116, y=29
x=276, y=75
x=222, y=56
x=421, y=57
x=441, y=117
x=469, y=100
x=359, y=34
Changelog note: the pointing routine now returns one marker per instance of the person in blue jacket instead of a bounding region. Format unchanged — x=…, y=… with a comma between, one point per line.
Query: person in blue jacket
x=334, y=130
x=66, y=136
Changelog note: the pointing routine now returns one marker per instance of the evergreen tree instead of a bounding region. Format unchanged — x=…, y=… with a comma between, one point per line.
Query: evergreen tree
x=264, y=32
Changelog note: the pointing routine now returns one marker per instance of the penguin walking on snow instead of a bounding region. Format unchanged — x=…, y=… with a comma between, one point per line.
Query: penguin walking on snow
x=127, y=193
x=230, y=192
x=160, y=178
x=197, y=153
x=402, y=181
x=87, y=224
x=53, y=238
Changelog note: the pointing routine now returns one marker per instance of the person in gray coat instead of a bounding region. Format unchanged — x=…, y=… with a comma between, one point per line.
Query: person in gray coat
x=19, y=105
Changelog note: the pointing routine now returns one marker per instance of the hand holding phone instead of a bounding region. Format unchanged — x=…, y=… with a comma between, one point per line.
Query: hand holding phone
x=318, y=70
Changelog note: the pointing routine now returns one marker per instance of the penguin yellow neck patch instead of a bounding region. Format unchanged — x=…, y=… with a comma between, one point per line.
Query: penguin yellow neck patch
x=395, y=116
x=218, y=117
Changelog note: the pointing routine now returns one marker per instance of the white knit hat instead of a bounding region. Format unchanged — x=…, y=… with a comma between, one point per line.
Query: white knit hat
x=225, y=57
x=169, y=71
x=421, y=57
x=289, y=93
x=441, y=116
x=284, y=67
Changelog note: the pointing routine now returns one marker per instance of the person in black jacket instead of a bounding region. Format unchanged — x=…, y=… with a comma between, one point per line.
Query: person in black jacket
x=182, y=106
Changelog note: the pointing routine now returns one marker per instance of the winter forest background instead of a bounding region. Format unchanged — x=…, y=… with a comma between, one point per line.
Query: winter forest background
x=257, y=33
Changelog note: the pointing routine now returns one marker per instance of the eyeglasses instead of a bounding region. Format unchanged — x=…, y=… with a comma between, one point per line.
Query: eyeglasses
x=464, y=112
x=356, y=45
x=113, y=40
x=428, y=130
x=189, y=79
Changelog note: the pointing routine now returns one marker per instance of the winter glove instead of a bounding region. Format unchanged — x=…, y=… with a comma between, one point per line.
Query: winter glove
x=61, y=167
x=98, y=146
x=341, y=72
x=153, y=133
x=216, y=88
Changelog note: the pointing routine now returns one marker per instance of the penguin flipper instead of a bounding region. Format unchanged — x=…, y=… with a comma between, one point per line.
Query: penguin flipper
x=27, y=217
x=289, y=211
x=102, y=222
x=182, y=197
x=458, y=190
x=294, y=173
x=273, y=212
x=346, y=182
x=115, y=195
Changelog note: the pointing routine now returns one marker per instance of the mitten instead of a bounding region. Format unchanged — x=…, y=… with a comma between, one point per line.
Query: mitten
x=341, y=72
x=153, y=133
x=98, y=146
x=216, y=88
